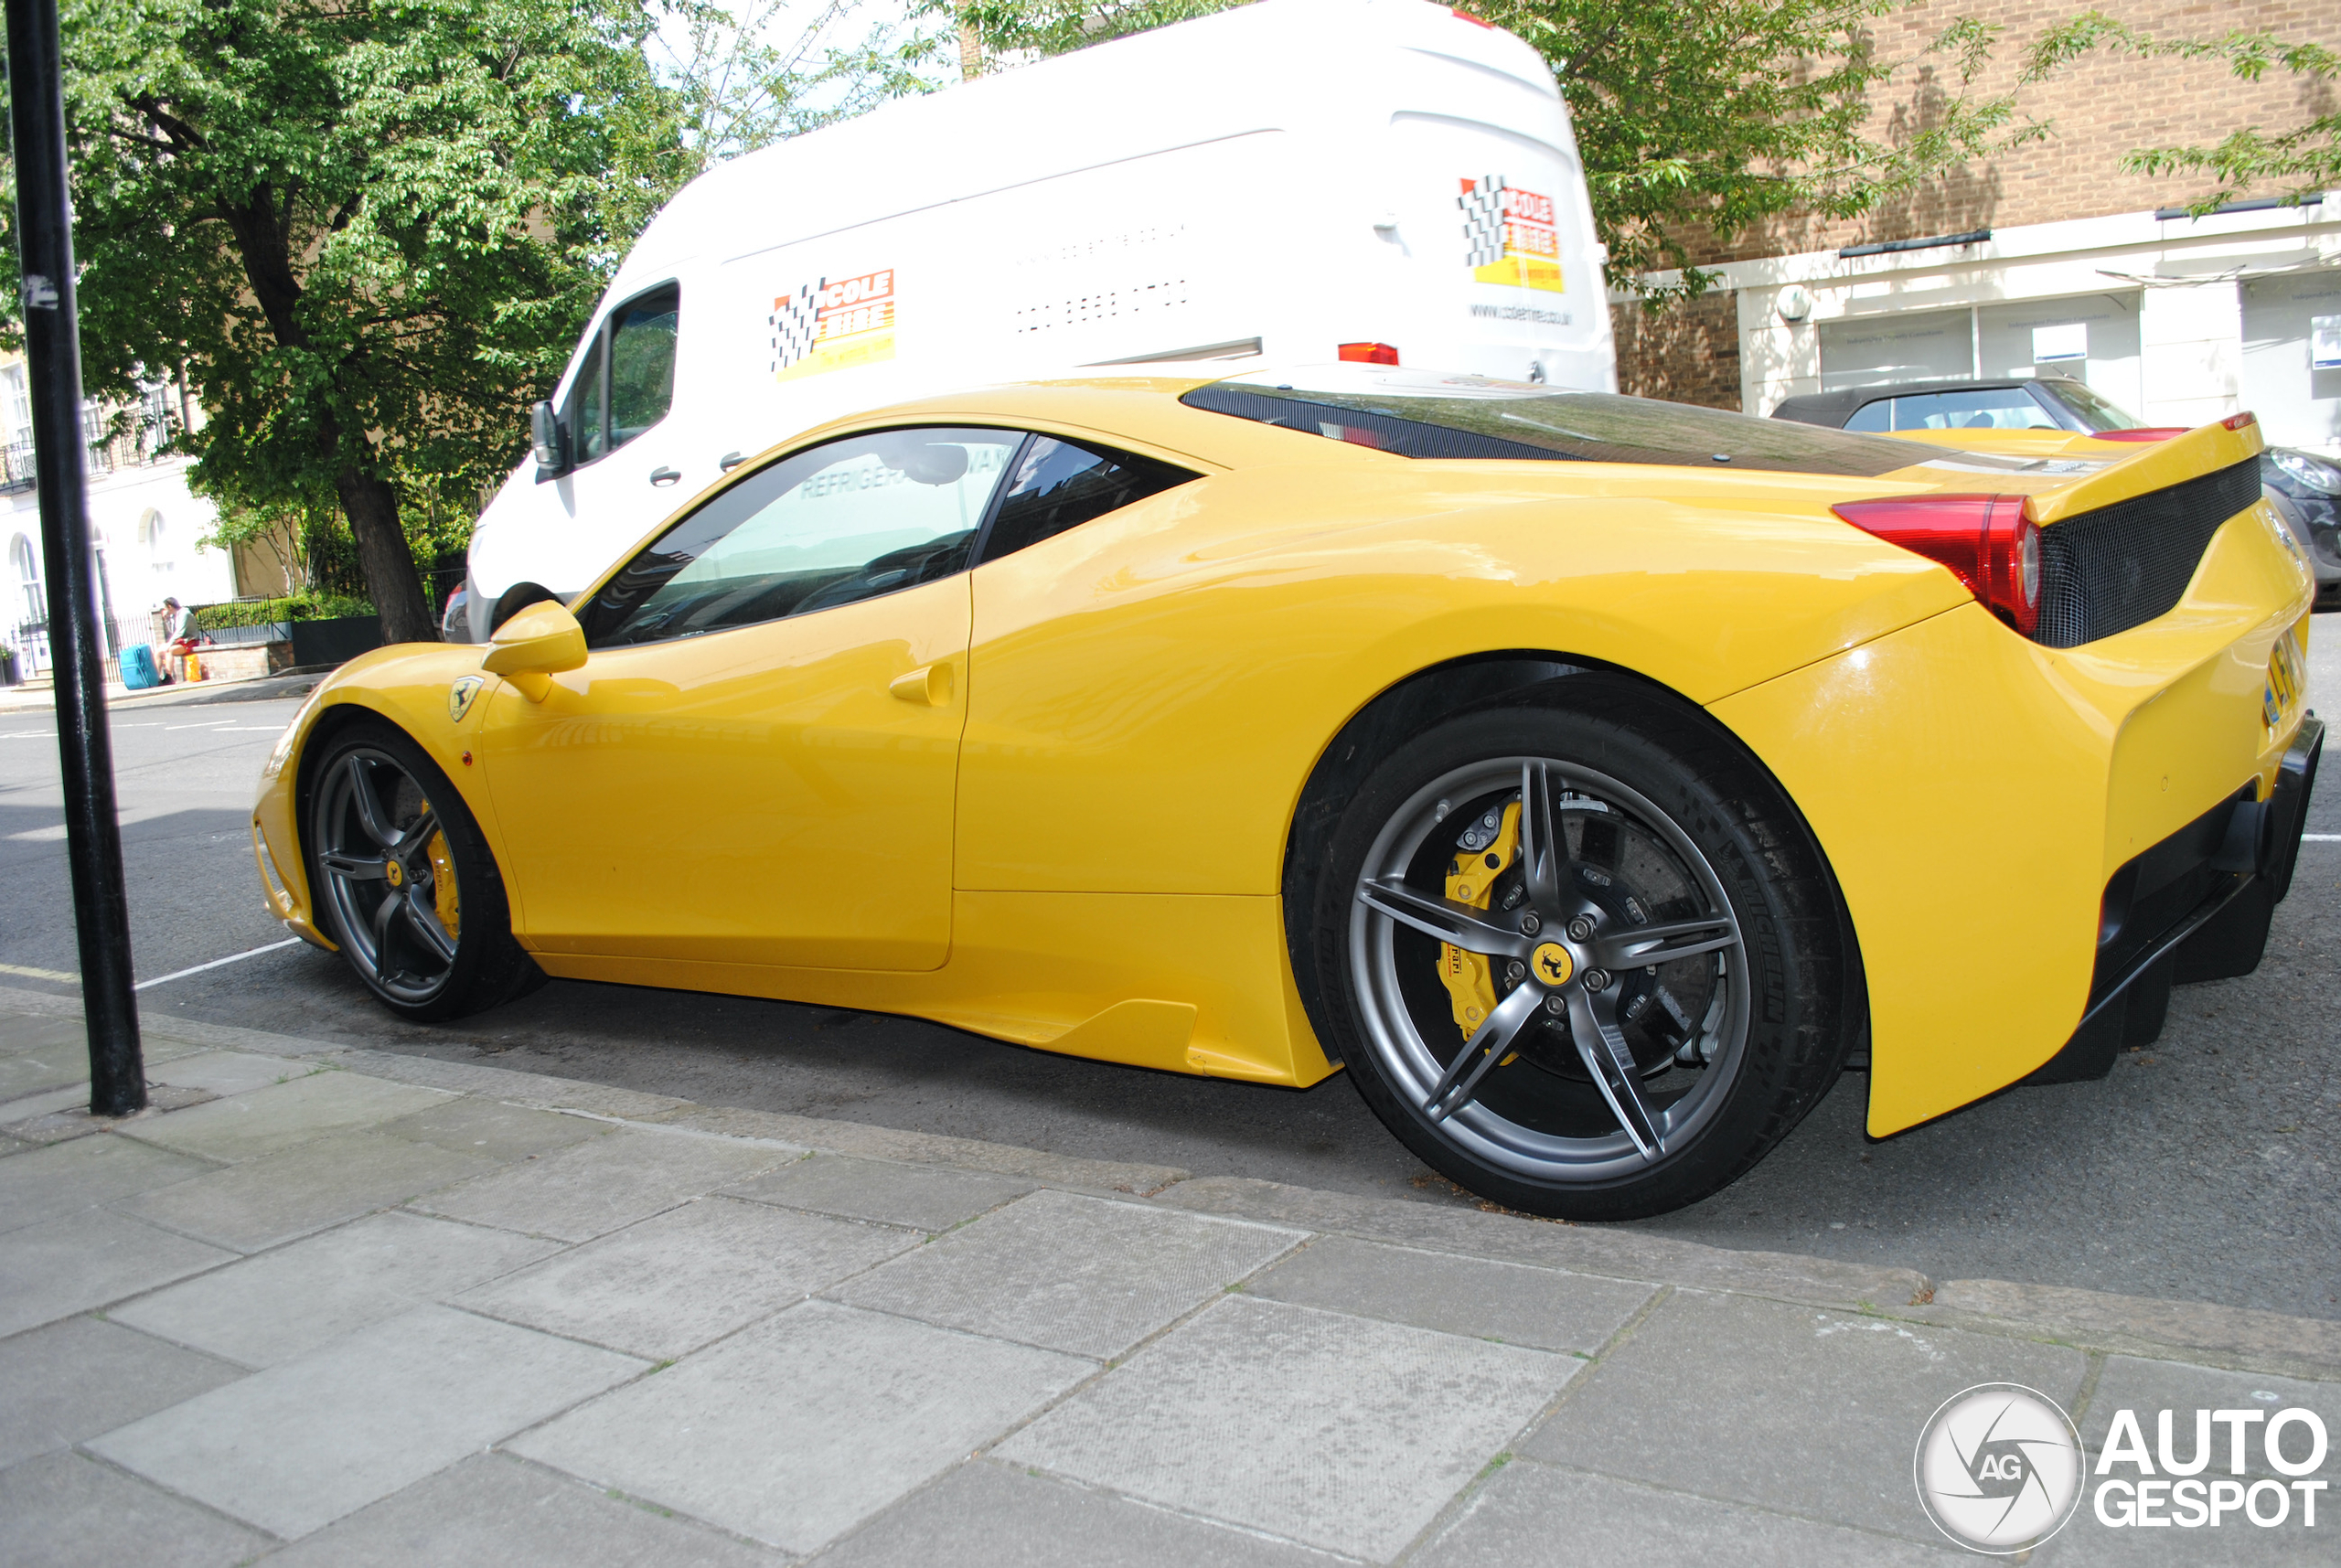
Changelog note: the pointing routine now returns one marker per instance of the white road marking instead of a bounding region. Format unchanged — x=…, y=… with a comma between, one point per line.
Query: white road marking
x=207, y=724
x=216, y=963
x=2321, y=838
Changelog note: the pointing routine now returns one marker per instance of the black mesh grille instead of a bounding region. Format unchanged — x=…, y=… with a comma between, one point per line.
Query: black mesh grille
x=2121, y=566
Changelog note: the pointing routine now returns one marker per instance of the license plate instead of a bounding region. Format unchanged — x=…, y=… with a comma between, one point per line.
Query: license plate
x=2282, y=697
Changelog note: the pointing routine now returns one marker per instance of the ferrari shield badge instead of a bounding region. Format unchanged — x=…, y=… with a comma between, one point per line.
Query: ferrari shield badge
x=460, y=695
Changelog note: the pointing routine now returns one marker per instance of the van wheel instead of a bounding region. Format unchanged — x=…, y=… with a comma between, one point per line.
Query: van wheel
x=1582, y=961
x=404, y=882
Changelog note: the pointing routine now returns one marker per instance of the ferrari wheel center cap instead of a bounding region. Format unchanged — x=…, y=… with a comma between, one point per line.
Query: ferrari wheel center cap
x=1551, y=964
x=396, y=873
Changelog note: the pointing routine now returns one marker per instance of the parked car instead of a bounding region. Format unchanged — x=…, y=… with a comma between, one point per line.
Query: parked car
x=1284, y=182
x=2305, y=489
x=1590, y=776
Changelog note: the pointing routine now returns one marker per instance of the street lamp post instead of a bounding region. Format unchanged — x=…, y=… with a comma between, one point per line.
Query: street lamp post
x=52, y=347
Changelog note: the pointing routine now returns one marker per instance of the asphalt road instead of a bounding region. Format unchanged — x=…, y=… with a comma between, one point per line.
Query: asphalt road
x=2206, y=1168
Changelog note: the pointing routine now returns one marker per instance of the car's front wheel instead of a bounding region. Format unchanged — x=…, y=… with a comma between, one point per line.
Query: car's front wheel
x=1583, y=961
x=404, y=882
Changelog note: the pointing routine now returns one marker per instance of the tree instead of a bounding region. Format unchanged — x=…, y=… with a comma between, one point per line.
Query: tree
x=367, y=230
x=770, y=72
x=2304, y=160
x=1712, y=117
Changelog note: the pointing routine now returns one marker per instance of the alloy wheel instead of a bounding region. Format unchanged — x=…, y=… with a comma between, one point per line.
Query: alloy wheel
x=389, y=875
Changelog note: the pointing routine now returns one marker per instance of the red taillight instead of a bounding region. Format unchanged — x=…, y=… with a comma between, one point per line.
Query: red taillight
x=1370, y=353
x=2243, y=421
x=2143, y=433
x=1987, y=540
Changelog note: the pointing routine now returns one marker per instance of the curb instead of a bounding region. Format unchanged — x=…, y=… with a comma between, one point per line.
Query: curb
x=2245, y=1338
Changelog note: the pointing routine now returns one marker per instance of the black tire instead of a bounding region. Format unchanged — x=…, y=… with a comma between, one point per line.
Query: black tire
x=380, y=884
x=1656, y=817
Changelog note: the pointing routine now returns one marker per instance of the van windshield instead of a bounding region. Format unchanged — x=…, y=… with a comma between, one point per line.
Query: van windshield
x=1415, y=413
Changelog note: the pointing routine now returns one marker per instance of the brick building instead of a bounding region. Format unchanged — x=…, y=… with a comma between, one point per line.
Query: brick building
x=2047, y=258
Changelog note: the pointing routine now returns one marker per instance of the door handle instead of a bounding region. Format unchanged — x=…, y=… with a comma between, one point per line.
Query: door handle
x=664, y=475
x=929, y=685
x=730, y=461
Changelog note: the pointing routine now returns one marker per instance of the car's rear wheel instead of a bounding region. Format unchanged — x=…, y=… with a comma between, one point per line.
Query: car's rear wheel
x=404, y=882
x=1583, y=962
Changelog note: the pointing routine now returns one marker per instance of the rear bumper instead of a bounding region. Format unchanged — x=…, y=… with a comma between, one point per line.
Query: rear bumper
x=2195, y=906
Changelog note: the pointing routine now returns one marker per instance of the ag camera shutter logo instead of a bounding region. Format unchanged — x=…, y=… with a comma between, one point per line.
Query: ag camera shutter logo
x=1999, y=1468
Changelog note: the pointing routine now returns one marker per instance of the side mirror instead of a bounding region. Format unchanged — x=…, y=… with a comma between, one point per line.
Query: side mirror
x=549, y=439
x=533, y=647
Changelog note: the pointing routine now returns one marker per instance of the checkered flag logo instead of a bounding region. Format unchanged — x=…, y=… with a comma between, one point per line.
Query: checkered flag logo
x=1482, y=206
x=795, y=324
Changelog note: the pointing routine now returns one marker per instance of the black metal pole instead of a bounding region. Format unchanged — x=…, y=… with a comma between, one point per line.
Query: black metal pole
x=53, y=346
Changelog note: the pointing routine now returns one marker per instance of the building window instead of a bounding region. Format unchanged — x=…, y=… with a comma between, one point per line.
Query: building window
x=23, y=567
x=15, y=403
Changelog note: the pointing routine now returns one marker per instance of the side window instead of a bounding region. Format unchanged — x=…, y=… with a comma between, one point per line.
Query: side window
x=642, y=362
x=846, y=520
x=1988, y=408
x=1058, y=486
x=1876, y=418
x=628, y=378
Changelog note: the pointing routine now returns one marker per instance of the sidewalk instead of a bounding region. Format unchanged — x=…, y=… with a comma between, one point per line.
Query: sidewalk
x=20, y=700
x=336, y=1307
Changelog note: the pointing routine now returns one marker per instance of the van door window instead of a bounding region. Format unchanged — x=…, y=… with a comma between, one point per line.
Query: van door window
x=1059, y=486
x=628, y=381
x=846, y=520
x=642, y=362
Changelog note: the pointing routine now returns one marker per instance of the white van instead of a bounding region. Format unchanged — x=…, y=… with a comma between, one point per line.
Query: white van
x=1295, y=181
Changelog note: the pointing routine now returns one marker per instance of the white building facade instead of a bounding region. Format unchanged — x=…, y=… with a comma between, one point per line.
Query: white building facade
x=2180, y=320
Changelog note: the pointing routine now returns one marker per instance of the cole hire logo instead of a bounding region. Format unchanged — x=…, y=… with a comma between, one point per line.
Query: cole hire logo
x=827, y=326
x=1999, y=1468
x=1509, y=235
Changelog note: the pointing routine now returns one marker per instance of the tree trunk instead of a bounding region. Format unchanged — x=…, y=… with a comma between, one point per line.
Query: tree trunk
x=372, y=508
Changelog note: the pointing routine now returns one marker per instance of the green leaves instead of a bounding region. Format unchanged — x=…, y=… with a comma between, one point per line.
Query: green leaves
x=2302, y=160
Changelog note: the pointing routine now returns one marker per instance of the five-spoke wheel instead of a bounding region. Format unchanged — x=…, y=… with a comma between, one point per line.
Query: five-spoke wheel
x=1567, y=952
x=403, y=880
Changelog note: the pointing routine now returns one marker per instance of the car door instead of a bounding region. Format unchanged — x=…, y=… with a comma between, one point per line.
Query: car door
x=757, y=762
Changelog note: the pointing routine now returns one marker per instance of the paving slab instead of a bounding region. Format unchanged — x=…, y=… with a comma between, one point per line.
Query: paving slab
x=70, y=1117
x=495, y=1511
x=1824, y=1407
x=2147, y=1388
x=1526, y=1507
x=26, y=1073
x=30, y=1107
x=494, y=1130
x=79, y=1261
x=797, y=1428
x=2139, y=1322
x=65, y=1178
x=20, y=1032
x=679, y=1280
x=63, y=1510
x=1514, y=1303
x=537, y=1089
x=989, y=1515
x=226, y=1073
x=9, y=1145
x=266, y=1120
x=287, y=1302
x=1339, y=1431
x=79, y=1377
x=923, y=1196
x=263, y=1202
x=1091, y=1276
x=595, y=1188
x=299, y=1445
x=2234, y=1542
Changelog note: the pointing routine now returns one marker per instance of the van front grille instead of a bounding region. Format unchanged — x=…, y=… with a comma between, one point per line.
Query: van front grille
x=2122, y=565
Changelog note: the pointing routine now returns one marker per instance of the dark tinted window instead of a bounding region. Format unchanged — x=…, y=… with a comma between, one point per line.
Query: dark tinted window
x=846, y=520
x=588, y=433
x=1421, y=414
x=1059, y=486
x=642, y=362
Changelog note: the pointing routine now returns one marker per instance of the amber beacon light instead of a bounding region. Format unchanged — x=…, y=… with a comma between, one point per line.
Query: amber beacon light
x=1986, y=541
x=1370, y=353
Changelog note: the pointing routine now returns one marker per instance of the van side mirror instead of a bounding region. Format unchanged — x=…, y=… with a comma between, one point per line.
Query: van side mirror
x=534, y=645
x=549, y=439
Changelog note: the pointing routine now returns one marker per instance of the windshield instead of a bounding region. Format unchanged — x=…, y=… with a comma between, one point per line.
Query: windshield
x=1427, y=415
x=2089, y=406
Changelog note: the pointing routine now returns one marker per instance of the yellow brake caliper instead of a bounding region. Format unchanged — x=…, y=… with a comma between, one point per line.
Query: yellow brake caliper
x=1471, y=879
x=444, y=900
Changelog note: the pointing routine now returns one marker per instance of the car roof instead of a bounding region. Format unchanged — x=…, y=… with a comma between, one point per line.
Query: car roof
x=1836, y=408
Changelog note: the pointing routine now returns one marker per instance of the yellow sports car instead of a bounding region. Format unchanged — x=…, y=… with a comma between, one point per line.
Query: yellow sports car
x=1592, y=777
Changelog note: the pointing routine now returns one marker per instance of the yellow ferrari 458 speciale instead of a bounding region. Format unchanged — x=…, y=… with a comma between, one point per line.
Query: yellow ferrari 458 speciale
x=1591, y=776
